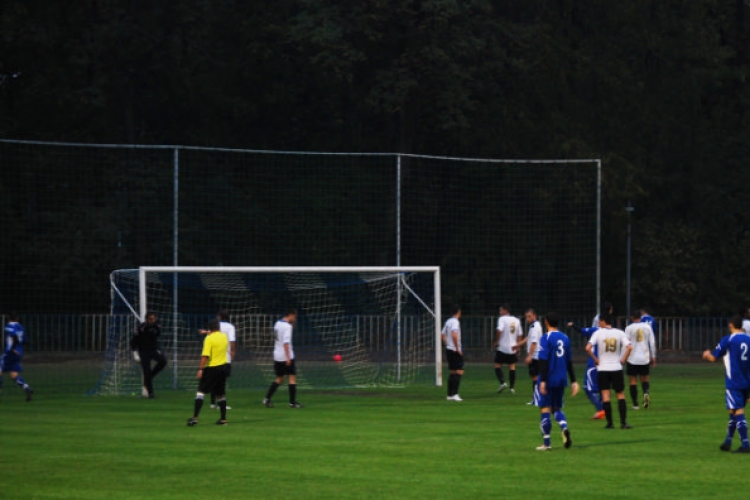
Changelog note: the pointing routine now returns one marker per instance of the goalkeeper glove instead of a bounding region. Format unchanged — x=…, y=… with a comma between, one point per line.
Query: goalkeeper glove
x=136, y=357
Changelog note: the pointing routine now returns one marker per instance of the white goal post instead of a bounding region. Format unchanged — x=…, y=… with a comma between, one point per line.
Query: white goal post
x=382, y=323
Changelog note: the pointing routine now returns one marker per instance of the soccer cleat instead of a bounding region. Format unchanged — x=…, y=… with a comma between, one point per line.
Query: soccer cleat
x=192, y=421
x=567, y=442
x=29, y=393
x=609, y=426
x=742, y=449
x=512, y=390
x=213, y=407
x=221, y=422
x=725, y=446
x=216, y=407
x=599, y=415
x=646, y=401
x=502, y=387
x=636, y=407
x=456, y=397
x=530, y=403
x=268, y=403
x=544, y=447
x=144, y=392
x=295, y=405
x=625, y=426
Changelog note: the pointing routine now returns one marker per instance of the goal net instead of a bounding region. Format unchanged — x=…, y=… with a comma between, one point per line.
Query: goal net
x=380, y=321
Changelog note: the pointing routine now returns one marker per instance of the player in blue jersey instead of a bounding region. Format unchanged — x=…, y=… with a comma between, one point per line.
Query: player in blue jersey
x=555, y=366
x=647, y=318
x=735, y=349
x=10, y=362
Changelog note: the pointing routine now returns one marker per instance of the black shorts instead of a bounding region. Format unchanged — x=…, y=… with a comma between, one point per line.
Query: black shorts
x=214, y=380
x=455, y=360
x=534, y=368
x=281, y=369
x=611, y=381
x=635, y=370
x=503, y=358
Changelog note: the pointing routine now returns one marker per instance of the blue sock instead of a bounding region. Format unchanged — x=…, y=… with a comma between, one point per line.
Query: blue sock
x=731, y=426
x=595, y=399
x=742, y=429
x=560, y=417
x=546, y=425
x=21, y=382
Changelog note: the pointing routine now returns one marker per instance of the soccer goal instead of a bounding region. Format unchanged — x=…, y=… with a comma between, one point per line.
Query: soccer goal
x=357, y=326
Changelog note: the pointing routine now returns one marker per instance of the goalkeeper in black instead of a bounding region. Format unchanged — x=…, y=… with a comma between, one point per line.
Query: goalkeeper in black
x=145, y=346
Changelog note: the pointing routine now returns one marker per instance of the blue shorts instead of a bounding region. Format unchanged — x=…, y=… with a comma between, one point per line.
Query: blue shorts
x=553, y=399
x=591, y=384
x=10, y=363
x=736, y=399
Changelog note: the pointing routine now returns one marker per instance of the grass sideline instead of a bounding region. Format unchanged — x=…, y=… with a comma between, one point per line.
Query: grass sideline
x=396, y=443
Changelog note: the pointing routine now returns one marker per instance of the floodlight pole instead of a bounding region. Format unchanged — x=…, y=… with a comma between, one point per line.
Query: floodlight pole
x=629, y=209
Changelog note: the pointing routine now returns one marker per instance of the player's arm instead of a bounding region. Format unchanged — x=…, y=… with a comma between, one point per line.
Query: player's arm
x=233, y=349
x=626, y=354
x=204, y=360
x=497, y=339
x=530, y=357
x=709, y=356
x=571, y=375
x=454, y=334
x=590, y=352
x=287, y=353
x=543, y=366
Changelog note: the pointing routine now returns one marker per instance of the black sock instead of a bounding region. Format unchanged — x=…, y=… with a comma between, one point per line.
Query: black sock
x=223, y=408
x=292, y=393
x=623, y=410
x=272, y=390
x=456, y=384
x=634, y=394
x=197, y=407
x=451, y=384
x=512, y=377
x=499, y=375
x=646, y=386
x=608, y=411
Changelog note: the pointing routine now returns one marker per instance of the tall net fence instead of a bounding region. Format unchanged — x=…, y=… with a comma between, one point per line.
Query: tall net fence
x=517, y=232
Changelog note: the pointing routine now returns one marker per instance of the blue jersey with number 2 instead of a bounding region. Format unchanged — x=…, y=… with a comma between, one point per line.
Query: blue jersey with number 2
x=735, y=349
x=554, y=346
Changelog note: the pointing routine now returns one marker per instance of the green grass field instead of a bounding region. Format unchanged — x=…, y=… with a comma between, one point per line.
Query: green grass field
x=396, y=443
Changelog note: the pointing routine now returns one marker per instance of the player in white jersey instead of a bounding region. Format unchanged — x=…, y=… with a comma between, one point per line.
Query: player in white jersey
x=642, y=357
x=745, y=314
x=612, y=350
x=532, y=348
x=451, y=335
x=283, y=359
x=229, y=330
x=509, y=331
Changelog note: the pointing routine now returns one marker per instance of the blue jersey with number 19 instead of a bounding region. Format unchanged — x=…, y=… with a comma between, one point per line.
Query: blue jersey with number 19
x=554, y=347
x=735, y=349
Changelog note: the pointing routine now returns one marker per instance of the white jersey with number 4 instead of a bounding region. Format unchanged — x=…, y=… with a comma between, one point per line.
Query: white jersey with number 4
x=283, y=331
x=452, y=325
x=644, y=345
x=609, y=343
x=510, y=328
x=228, y=330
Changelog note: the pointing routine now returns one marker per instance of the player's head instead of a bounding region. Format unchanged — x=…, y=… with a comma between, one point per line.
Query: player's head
x=530, y=315
x=213, y=325
x=13, y=317
x=605, y=318
x=735, y=323
x=635, y=315
x=150, y=317
x=552, y=320
x=223, y=315
x=290, y=314
x=607, y=307
x=744, y=312
x=455, y=310
x=644, y=312
x=504, y=309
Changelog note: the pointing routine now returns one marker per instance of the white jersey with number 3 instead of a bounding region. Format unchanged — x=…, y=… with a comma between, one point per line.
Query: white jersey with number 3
x=642, y=339
x=609, y=343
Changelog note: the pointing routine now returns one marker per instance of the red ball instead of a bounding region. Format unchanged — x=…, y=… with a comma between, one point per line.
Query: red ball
x=337, y=358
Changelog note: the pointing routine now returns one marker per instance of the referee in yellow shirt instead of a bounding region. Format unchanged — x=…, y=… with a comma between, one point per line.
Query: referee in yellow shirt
x=213, y=372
